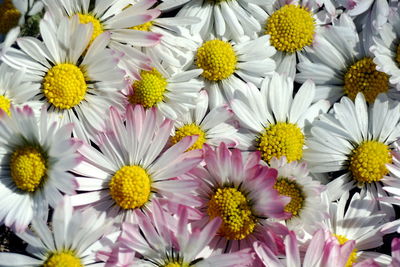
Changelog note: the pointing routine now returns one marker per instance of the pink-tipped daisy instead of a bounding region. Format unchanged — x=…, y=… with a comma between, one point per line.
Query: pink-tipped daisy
x=237, y=189
x=130, y=169
x=36, y=158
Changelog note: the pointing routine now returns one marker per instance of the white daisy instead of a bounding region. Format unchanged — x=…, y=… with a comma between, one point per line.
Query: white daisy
x=211, y=127
x=360, y=221
x=78, y=85
x=72, y=241
x=341, y=64
x=272, y=121
x=386, y=48
x=306, y=206
x=354, y=141
x=130, y=170
x=225, y=64
x=172, y=92
x=35, y=160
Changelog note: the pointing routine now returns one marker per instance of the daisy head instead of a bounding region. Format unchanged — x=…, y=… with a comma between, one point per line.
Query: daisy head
x=65, y=244
x=77, y=84
x=36, y=158
x=306, y=206
x=211, y=127
x=341, y=64
x=225, y=64
x=130, y=169
x=355, y=139
x=273, y=121
x=237, y=189
x=173, y=243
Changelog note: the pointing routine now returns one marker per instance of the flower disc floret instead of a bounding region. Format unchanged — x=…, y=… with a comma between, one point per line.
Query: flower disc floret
x=5, y=104
x=175, y=264
x=63, y=259
x=368, y=161
x=149, y=90
x=291, y=28
x=9, y=16
x=130, y=187
x=281, y=139
x=189, y=130
x=293, y=190
x=353, y=255
x=217, y=59
x=145, y=27
x=363, y=77
x=64, y=86
x=28, y=168
x=235, y=211
x=97, y=26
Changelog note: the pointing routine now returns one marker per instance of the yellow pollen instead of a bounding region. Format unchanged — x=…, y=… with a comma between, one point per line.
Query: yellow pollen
x=176, y=264
x=97, y=26
x=363, y=77
x=64, y=86
x=353, y=255
x=234, y=209
x=9, y=16
x=5, y=104
x=63, y=259
x=145, y=27
x=281, y=139
x=28, y=168
x=150, y=89
x=293, y=190
x=217, y=59
x=398, y=54
x=291, y=28
x=130, y=187
x=368, y=161
x=189, y=130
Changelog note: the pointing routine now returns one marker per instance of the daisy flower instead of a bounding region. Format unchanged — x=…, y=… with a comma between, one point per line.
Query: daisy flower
x=14, y=13
x=130, y=170
x=356, y=140
x=386, y=48
x=15, y=91
x=241, y=192
x=73, y=240
x=212, y=127
x=225, y=64
x=35, y=160
x=360, y=221
x=77, y=85
x=341, y=64
x=292, y=26
x=306, y=206
x=272, y=120
x=172, y=243
x=323, y=251
x=172, y=92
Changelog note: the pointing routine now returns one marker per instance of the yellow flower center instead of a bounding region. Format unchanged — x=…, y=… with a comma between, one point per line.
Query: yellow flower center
x=189, y=130
x=291, y=28
x=64, y=86
x=293, y=190
x=63, y=259
x=130, y=187
x=145, y=27
x=368, y=161
x=281, y=139
x=5, y=104
x=28, y=168
x=363, y=77
x=217, y=59
x=234, y=209
x=150, y=89
x=353, y=256
x=398, y=54
x=97, y=26
x=176, y=264
x=9, y=16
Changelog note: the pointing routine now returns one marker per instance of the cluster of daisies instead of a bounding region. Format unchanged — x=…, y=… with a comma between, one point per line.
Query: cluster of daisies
x=181, y=133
